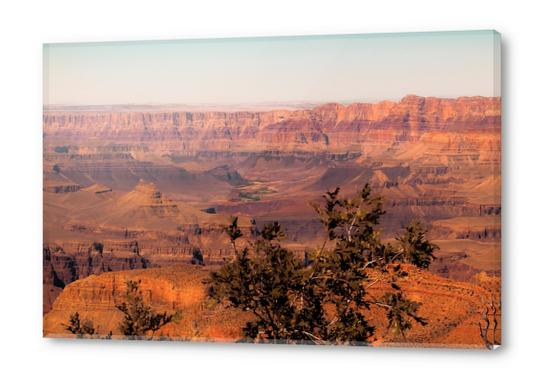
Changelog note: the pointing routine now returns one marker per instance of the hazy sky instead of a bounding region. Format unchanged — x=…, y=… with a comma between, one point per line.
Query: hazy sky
x=342, y=68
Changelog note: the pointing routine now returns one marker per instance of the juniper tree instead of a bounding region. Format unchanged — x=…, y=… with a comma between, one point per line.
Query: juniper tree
x=78, y=327
x=139, y=318
x=488, y=312
x=324, y=302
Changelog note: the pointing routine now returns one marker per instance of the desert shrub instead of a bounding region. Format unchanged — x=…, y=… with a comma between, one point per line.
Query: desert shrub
x=62, y=149
x=78, y=327
x=139, y=318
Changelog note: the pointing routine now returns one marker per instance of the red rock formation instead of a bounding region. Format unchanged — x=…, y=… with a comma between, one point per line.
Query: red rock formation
x=330, y=126
x=448, y=306
x=63, y=265
x=170, y=289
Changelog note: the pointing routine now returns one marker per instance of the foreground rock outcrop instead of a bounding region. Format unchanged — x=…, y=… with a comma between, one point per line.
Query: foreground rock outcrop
x=449, y=307
x=169, y=289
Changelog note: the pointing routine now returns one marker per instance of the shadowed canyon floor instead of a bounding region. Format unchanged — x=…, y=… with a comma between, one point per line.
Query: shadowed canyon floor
x=146, y=190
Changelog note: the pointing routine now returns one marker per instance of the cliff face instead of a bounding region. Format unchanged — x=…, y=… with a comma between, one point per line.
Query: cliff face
x=170, y=289
x=62, y=266
x=330, y=126
x=74, y=261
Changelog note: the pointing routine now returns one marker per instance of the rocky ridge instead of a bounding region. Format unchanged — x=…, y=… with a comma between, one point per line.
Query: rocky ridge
x=447, y=306
x=330, y=126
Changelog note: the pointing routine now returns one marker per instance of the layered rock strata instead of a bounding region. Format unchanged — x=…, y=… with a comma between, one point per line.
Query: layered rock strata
x=449, y=307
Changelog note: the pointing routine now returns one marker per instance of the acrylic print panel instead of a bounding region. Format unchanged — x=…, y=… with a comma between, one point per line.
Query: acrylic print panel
x=309, y=190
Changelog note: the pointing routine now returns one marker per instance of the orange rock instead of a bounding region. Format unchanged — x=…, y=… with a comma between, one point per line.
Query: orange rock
x=450, y=308
x=169, y=289
x=328, y=126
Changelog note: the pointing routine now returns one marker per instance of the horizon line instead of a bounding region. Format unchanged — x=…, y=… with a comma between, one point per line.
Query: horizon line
x=308, y=102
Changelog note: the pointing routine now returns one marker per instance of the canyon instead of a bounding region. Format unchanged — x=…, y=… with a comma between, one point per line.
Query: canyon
x=149, y=190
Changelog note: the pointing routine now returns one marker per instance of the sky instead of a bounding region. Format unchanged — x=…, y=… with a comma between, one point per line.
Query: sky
x=338, y=68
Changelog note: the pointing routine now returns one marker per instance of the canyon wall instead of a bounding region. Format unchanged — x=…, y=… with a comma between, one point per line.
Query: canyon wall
x=330, y=126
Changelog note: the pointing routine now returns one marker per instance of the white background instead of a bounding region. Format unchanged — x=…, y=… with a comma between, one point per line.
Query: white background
x=25, y=26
